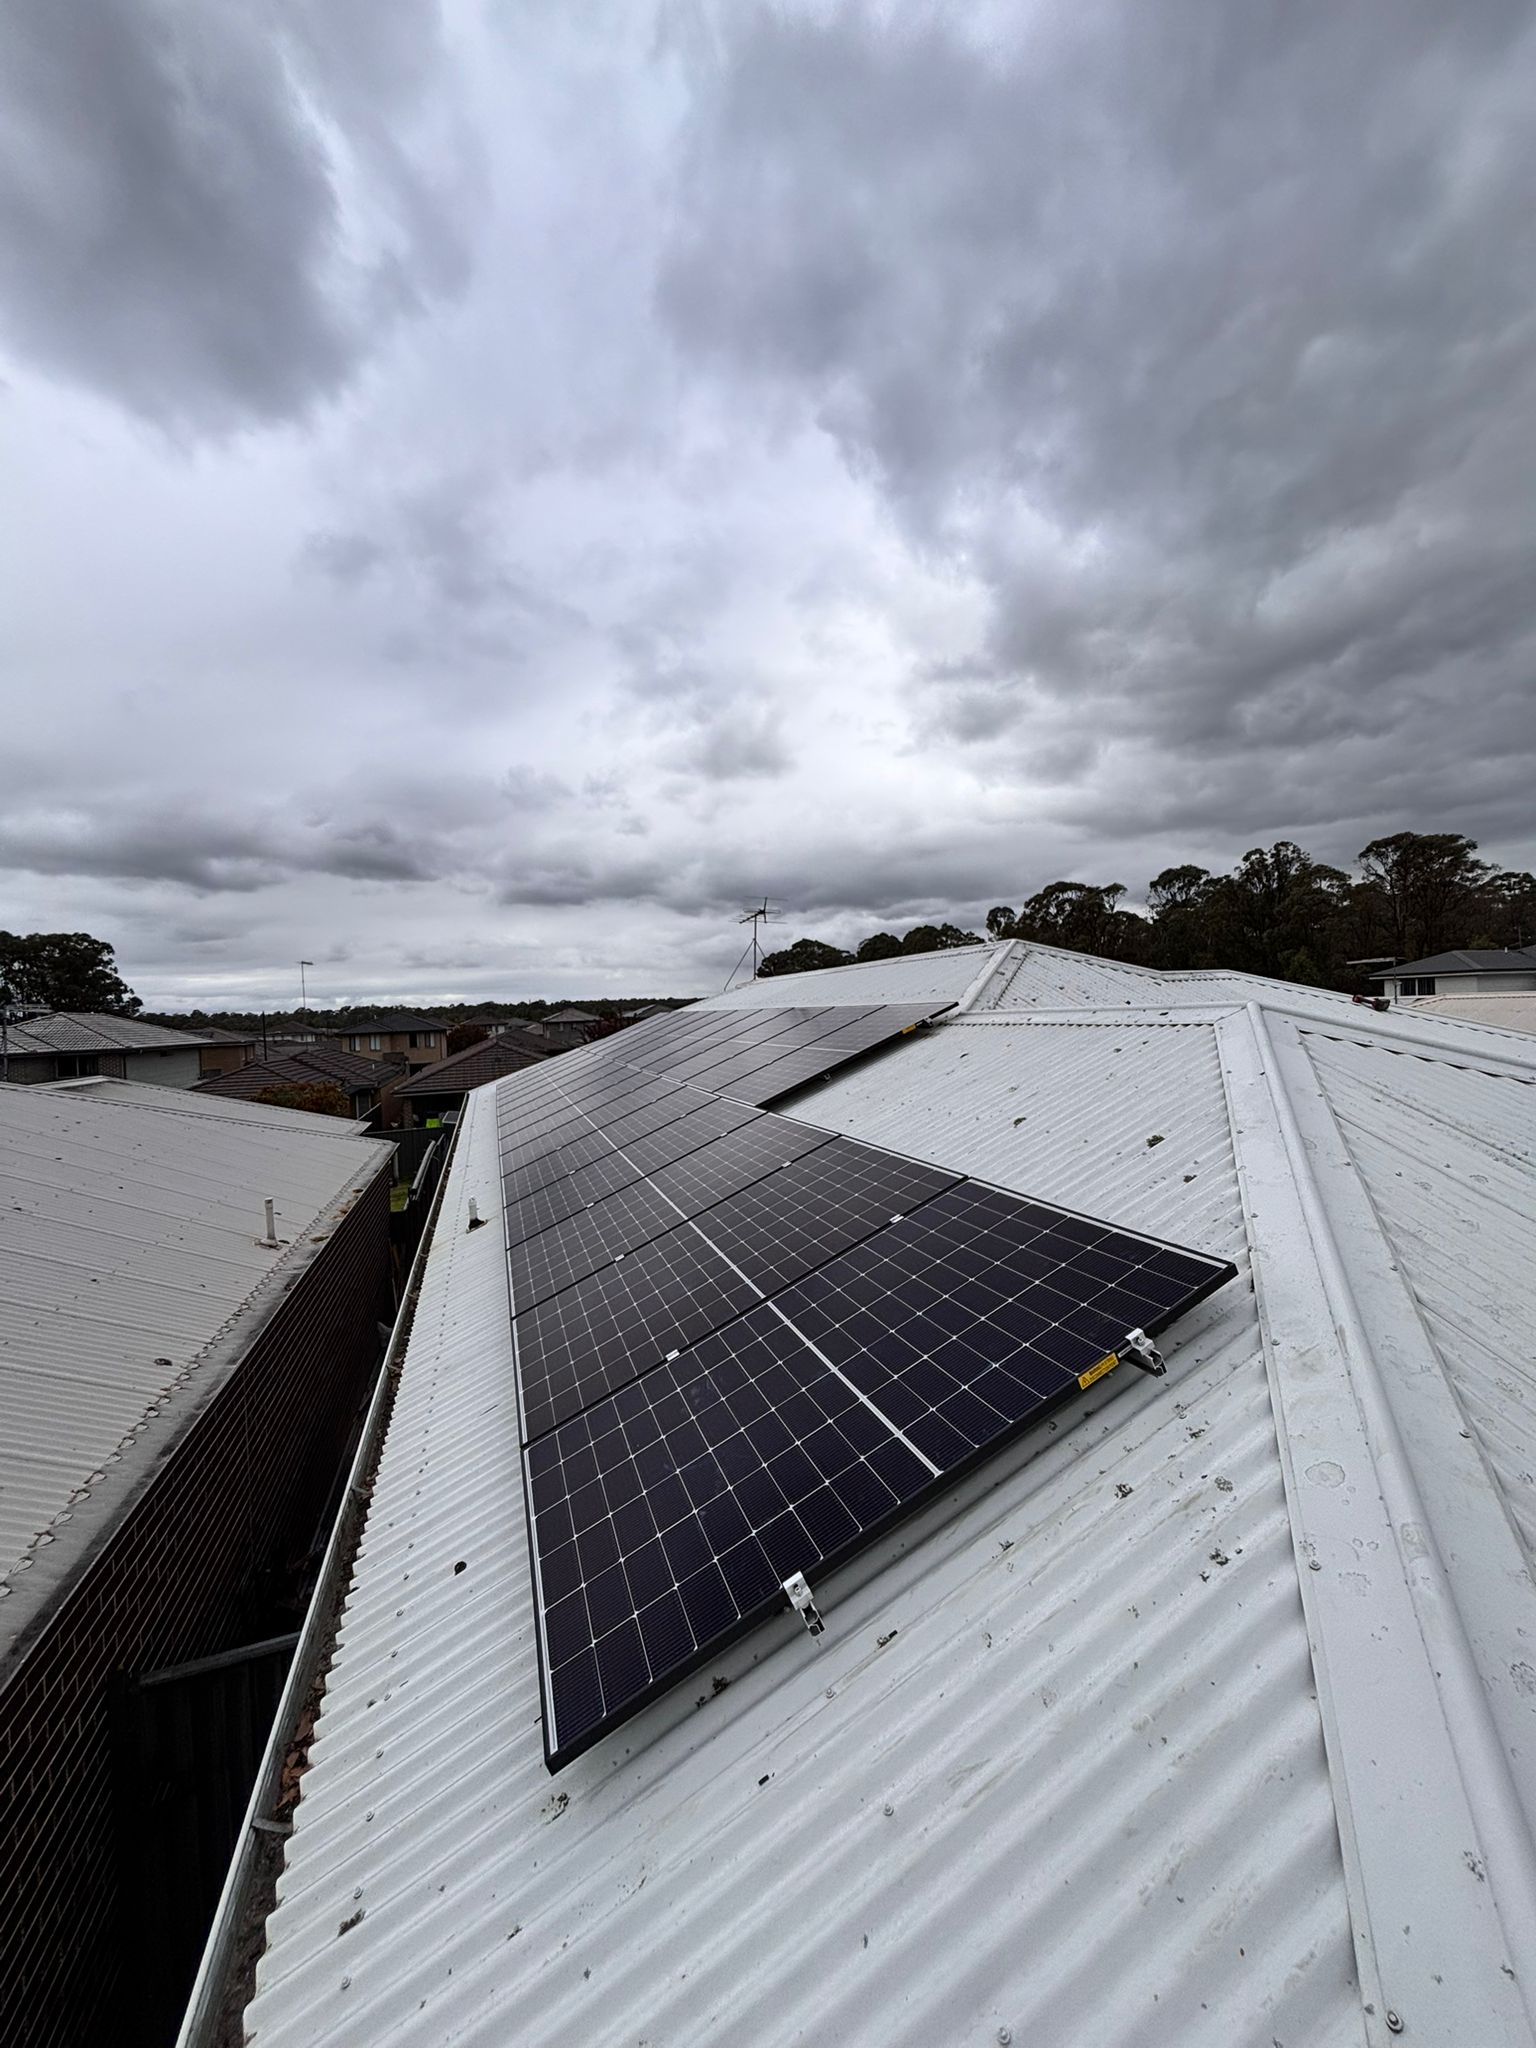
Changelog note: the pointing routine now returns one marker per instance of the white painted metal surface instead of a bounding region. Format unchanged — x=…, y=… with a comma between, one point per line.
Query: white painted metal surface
x=226, y=1108
x=1090, y=1752
x=1504, y=1011
x=128, y=1246
x=920, y=977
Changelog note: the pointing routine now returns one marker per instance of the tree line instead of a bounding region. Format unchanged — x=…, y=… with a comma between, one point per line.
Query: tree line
x=1278, y=912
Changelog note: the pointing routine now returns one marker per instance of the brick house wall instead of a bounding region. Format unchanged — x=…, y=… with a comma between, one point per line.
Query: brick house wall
x=238, y=1492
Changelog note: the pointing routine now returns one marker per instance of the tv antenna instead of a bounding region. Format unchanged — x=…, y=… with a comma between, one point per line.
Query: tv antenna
x=754, y=918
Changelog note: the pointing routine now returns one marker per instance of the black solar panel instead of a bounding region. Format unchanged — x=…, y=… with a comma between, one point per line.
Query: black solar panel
x=666, y=1518
x=591, y=1238
x=569, y=1157
x=711, y=1405
x=815, y=1207
x=964, y=1318
x=609, y=1328
x=718, y=1169
x=712, y=1119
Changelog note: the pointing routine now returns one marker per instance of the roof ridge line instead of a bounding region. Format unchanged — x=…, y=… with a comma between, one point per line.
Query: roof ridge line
x=1422, y=1783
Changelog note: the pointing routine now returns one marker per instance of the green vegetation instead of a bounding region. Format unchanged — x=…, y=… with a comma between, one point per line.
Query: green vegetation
x=1279, y=912
x=64, y=971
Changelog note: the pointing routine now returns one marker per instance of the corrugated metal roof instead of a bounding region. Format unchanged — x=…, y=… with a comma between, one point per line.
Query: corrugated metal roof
x=128, y=1245
x=919, y=976
x=194, y=1102
x=1123, y=1741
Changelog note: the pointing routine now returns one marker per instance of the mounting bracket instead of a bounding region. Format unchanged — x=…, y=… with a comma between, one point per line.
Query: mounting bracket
x=800, y=1597
x=1137, y=1348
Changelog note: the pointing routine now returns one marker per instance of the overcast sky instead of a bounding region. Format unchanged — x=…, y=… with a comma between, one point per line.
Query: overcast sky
x=491, y=490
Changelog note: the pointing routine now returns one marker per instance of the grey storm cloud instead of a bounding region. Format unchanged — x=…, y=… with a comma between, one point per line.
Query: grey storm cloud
x=172, y=226
x=1236, y=303
x=608, y=464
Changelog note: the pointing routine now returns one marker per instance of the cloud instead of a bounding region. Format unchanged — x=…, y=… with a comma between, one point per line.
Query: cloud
x=893, y=457
x=175, y=225
x=1211, y=383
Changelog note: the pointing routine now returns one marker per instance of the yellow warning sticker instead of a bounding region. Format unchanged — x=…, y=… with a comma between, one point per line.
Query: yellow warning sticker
x=1096, y=1372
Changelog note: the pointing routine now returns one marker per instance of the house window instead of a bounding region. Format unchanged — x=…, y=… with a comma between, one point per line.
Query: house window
x=356, y=1044
x=374, y=1041
x=421, y=1038
x=75, y=1066
x=432, y=1039
x=1422, y=985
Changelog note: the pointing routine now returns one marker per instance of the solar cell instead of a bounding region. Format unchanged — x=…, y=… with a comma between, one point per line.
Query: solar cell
x=666, y=1518
x=964, y=1318
x=591, y=1238
x=718, y=1169
x=712, y=1119
x=584, y=1342
x=566, y=1158
x=798, y=1218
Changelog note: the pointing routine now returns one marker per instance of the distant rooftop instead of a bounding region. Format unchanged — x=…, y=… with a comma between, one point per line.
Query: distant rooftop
x=391, y=1020
x=1487, y=960
x=75, y=1031
x=130, y=1259
x=303, y=1067
x=477, y=1064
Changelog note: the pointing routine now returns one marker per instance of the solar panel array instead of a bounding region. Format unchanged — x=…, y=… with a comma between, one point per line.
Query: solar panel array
x=746, y=1346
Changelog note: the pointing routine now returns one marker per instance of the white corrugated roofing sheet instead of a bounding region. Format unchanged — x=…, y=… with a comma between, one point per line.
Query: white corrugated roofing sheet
x=192, y=1102
x=942, y=976
x=129, y=1242
x=1171, y=1725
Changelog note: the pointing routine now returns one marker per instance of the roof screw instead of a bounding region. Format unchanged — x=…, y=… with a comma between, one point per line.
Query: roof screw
x=1315, y=1566
x=346, y=1983
x=889, y=1811
x=1394, y=2022
x=1004, y=2036
x=358, y=1893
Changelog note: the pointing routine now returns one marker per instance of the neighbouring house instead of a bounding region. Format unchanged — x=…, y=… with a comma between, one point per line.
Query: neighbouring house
x=430, y=1095
x=367, y=1082
x=177, y=1391
x=1511, y=1011
x=1201, y=1716
x=1487, y=971
x=570, y=1026
x=401, y=1035
x=66, y=1044
x=226, y=1051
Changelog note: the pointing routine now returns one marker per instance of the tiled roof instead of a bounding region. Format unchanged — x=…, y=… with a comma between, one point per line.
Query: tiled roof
x=391, y=1020
x=476, y=1065
x=1489, y=960
x=305, y=1065
x=77, y=1031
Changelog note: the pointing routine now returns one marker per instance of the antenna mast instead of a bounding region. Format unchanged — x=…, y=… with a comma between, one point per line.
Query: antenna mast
x=755, y=918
